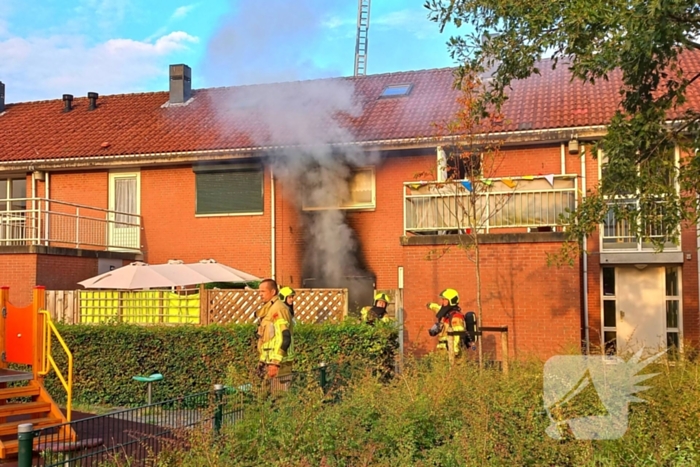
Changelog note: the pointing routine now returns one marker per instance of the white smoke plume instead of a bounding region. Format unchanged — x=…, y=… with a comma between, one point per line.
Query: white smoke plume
x=262, y=42
x=307, y=117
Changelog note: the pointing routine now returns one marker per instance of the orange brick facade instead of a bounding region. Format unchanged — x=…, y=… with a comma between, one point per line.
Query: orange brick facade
x=541, y=305
x=21, y=272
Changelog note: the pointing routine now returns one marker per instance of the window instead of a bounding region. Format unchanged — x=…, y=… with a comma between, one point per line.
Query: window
x=13, y=203
x=360, y=194
x=622, y=228
x=673, y=301
x=460, y=166
x=609, y=311
x=228, y=189
x=397, y=90
x=13, y=192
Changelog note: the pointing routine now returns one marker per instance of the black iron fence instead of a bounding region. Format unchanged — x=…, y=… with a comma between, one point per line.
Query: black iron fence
x=137, y=436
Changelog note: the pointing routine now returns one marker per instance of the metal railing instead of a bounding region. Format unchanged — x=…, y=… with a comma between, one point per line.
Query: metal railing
x=137, y=436
x=57, y=223
x=48, y=363
x=517, y=202
x=621, y=233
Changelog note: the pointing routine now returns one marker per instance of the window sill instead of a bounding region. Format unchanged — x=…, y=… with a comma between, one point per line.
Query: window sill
x=364, y=207
x=534, y=237
x=231, y=214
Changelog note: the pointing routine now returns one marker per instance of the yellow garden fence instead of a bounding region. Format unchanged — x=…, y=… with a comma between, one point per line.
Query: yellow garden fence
x=197, y=306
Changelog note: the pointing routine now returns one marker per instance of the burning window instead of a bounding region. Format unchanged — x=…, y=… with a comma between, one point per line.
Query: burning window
x=360, y=193
x=461, y=166
x=228, y=189
x=397, y=90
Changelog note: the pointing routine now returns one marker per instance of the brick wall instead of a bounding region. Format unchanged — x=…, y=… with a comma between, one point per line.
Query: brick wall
x=171, y=230
x=87, y=188
x=539, y=304
x=21, y=272
x=18, y=271
x=64, y=272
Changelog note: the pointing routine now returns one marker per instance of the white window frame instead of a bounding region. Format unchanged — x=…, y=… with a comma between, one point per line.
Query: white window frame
x=602, y=158
x=603, y=299
x=678, y=297
x=350, y=207
x=613, y=298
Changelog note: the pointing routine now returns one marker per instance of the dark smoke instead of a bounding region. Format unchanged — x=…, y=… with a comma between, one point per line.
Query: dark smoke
x=306, y=117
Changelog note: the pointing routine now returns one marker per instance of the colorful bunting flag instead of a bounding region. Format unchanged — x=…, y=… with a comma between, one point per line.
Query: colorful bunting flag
x=550, y=179
x=509, y=182
x=467, y=184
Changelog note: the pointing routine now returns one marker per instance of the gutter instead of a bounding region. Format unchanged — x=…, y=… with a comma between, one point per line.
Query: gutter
x=510, y=137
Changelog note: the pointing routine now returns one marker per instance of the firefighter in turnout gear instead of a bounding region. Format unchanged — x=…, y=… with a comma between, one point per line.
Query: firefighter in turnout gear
x=287, y=295
x=377, y=311
x=274, y=333
x=450, y=327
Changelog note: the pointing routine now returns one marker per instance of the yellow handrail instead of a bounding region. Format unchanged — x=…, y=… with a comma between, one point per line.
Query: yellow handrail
x=48, y=359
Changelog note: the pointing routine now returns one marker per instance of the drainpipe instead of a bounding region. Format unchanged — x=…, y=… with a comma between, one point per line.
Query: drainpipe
x=47, y=193
x=681, y=331
x=585, y=259
x=35, y=223
x=563, y=158
x=272, y=226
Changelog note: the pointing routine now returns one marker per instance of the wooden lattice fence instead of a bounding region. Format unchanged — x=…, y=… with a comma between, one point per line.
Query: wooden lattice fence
x=310, y=305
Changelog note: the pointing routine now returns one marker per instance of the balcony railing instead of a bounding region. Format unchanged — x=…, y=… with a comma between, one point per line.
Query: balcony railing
x=517, y=202
x=620, y=234
x=68, y=225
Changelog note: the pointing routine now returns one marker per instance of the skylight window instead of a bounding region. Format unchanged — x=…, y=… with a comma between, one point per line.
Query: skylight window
x=397, y=90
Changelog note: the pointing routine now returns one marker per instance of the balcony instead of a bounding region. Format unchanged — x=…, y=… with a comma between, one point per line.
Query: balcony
x=620, y=234
x=59, y=224
x=510, y=204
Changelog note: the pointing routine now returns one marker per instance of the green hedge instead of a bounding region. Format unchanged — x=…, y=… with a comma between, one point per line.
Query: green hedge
x=192, y=358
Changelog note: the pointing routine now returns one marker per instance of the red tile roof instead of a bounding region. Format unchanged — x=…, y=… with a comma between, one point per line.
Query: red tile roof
x=141, y=124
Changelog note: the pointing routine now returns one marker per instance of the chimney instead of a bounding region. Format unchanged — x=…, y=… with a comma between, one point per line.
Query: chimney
x=67, y=102
x=2, y=97
x=180, y=83
x=92, y=96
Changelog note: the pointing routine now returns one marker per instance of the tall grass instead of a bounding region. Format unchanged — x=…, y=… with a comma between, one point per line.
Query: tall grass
x=434, y=415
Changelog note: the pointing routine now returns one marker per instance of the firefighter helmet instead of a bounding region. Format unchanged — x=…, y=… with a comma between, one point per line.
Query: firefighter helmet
x=286, y=292
x=381, y=296
x=450, y=295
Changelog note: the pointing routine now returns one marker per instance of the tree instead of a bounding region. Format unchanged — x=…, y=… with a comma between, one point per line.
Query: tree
x=644, y=42
x=472, y=159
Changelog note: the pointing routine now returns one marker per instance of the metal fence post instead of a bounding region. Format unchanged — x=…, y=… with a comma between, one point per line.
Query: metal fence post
x=25, y=440
x=323, y=376
x=219, y=412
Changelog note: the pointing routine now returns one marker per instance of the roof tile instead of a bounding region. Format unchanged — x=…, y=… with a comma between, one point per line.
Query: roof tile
x=142, y=123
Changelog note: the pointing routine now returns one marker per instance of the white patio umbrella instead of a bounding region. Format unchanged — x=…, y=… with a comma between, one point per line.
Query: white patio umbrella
x=139, y=275
x=217, y=272
x=179, y=273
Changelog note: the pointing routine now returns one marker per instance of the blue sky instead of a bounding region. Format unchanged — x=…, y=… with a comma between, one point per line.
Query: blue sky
x=53, y=47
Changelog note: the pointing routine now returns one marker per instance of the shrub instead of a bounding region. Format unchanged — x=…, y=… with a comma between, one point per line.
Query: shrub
x=193, y=358
x=432, y=415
